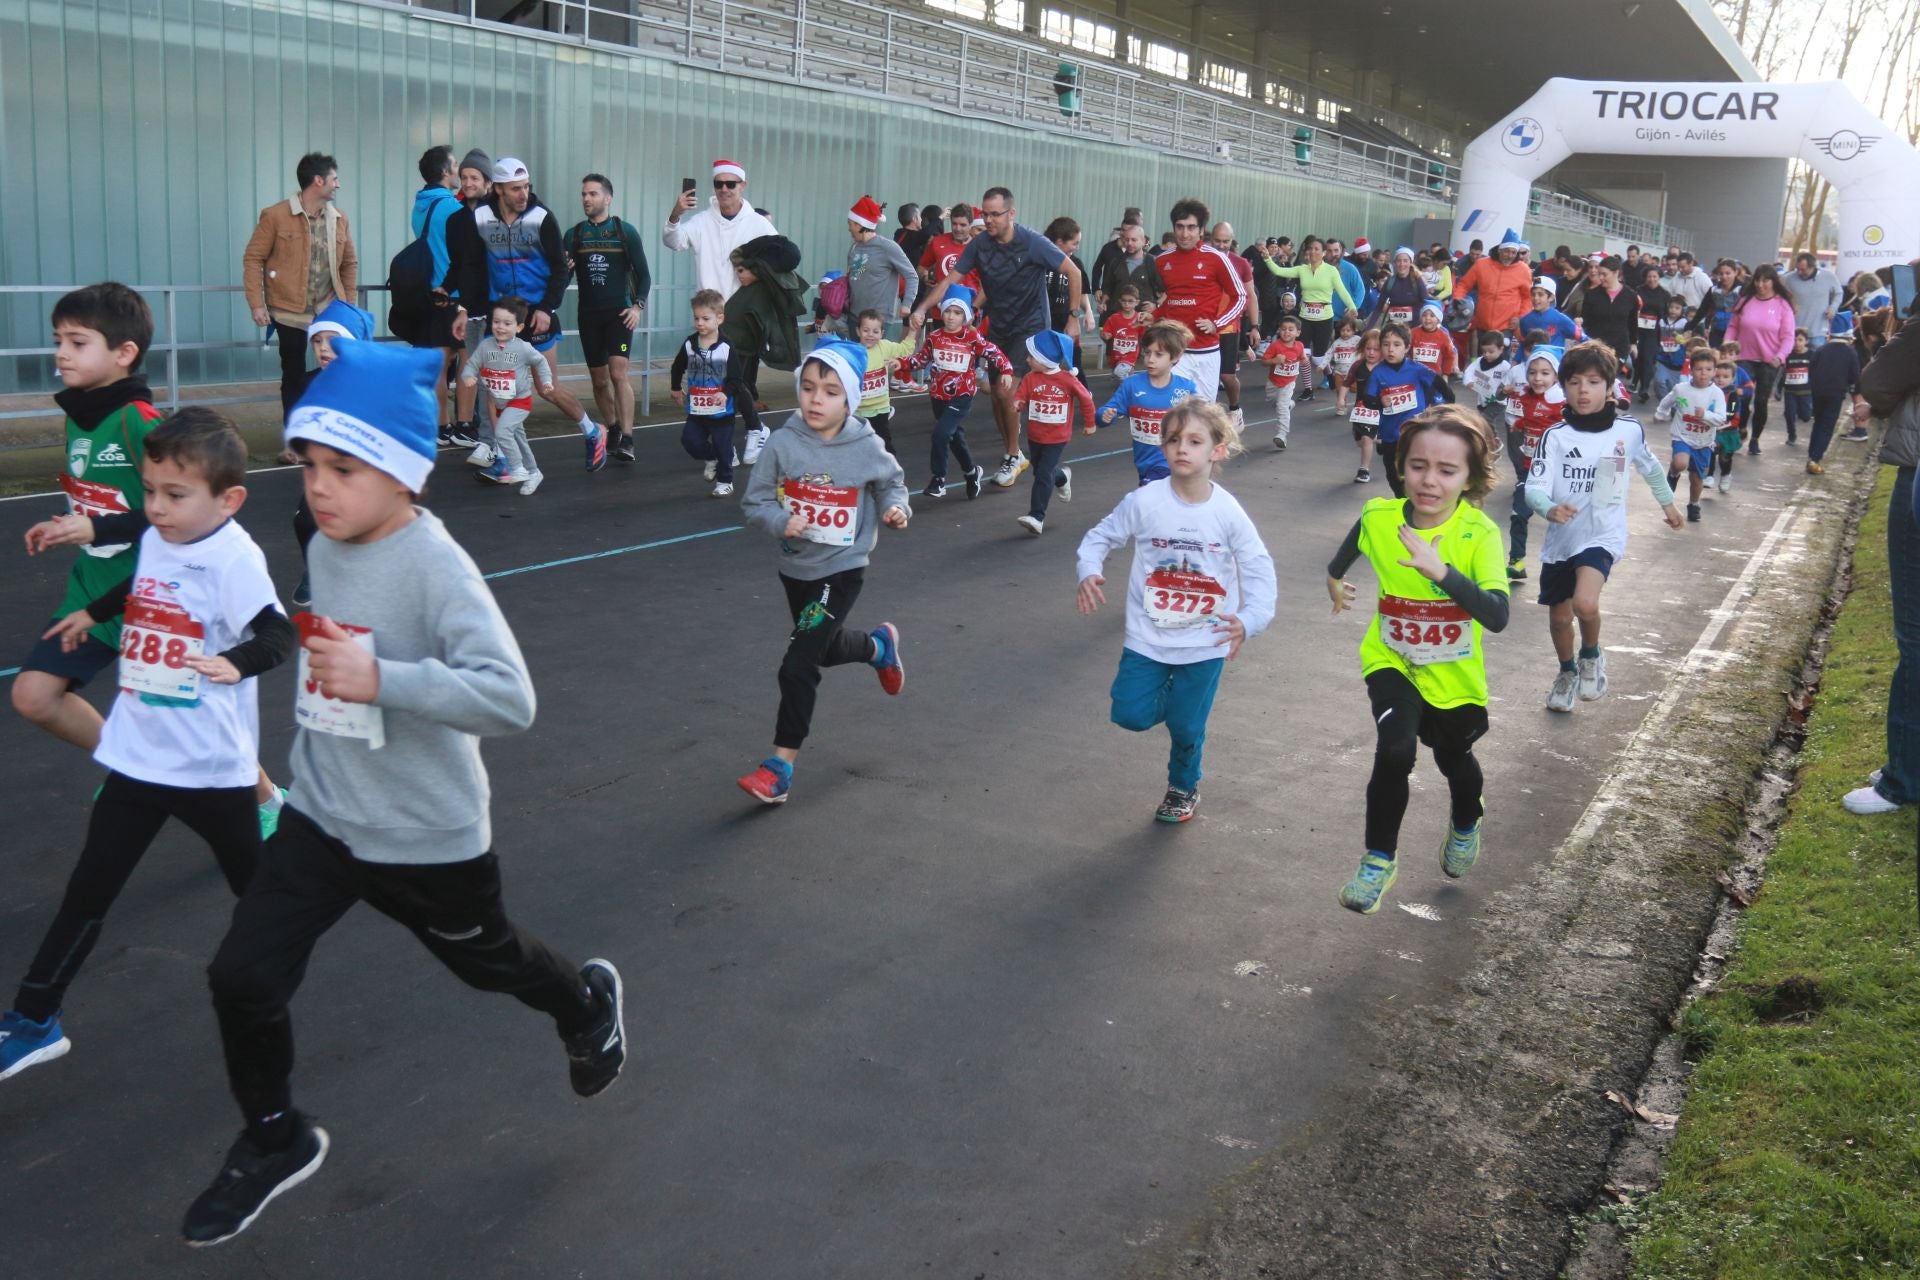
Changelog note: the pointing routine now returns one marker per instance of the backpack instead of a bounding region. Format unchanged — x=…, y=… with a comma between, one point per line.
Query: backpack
x=833, y=295
x=410, y=285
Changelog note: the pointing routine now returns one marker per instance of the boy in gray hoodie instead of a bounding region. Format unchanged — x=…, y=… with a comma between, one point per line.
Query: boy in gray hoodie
x=824, y=485
x=410, y=664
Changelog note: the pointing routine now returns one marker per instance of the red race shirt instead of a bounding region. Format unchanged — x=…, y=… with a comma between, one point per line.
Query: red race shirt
x=1201, y=284
x=1434, y=349
x=1049, y=398
x=1537, y=413
x=952, y=357
x=1289, y=360
x=941, y=253
x=1123, y=337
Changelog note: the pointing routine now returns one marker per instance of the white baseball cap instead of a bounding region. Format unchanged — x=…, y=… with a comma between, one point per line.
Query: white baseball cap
x=508, y=169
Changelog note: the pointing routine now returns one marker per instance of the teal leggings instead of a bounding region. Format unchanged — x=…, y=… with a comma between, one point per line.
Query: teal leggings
x=1179, y=695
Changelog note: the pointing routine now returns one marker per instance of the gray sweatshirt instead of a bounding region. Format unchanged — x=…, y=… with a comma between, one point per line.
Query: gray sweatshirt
x=876, y=271
x=450, y=672
x=842, y=485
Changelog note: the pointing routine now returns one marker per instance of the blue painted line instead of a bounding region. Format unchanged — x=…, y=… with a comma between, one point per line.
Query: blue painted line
x=616, y=551
x=10, y=671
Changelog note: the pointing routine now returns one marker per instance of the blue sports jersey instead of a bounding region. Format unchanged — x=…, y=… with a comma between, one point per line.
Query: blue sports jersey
x=1143, y=406
x=1554, y=322
x=1401, y=393
x=517, y=264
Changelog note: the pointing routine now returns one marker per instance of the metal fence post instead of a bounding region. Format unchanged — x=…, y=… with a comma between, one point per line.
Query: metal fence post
x=960, y=81
x=886, y=63
x=173, y=352
x=800, y=38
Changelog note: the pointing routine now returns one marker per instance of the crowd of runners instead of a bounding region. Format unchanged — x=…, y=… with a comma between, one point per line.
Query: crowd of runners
x=1459, y=377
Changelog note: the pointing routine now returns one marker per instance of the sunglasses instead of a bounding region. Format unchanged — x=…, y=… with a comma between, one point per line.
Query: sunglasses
x=727, y=185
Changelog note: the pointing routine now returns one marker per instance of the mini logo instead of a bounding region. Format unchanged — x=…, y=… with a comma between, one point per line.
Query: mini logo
x=111, y=456
x=1522, y=136
x=1873, y=234
x=1845, y=144
x=77, y=458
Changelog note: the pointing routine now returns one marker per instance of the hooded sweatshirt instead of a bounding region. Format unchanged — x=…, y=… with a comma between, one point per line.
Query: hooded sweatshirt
x=106, y=434
x=432, y=207
x=842, y=486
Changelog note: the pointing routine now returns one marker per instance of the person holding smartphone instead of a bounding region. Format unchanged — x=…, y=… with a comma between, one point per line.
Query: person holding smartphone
x=713, y=233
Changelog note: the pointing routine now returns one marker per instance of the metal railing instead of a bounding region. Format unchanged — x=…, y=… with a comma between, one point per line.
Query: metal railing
x=650, y=361
x=853, y=47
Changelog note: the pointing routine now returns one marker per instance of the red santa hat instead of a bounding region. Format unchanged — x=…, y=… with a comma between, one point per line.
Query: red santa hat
x=729, y=169
x=1360, y=245
x=867, y=212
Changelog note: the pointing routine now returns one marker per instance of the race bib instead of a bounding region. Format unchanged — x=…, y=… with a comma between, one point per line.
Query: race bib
x=1286, y=370
x=314, y=710
x=1316, y=311
x=1400, y=315
x=1649, y=322
x=156, y=639
x=1126, y=346
x=1145, y=424
x=1428, y=356
x=500, y=382
x=1610, y=479
x=1796, y=377
x=832, y=512
x=90, y=498
x=1695, y=430
x=1177, y=598
x=1363, y=416
x=709, y=402
x=1050, y=412
x=1343, y=362
x=1669, y=345
x=1400, y=399
x=1425, y=632
x=1516, y=409
x=953, y=360
x=873, y=382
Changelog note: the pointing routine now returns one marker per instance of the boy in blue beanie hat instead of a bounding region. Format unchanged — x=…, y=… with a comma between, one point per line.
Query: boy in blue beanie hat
x=823, y=485
x=407, y=667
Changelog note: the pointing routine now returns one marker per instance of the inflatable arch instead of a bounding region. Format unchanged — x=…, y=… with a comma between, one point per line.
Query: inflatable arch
x=1875, y=171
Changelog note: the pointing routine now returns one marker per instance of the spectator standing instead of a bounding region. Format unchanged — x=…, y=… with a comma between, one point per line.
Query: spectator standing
x=912, y=237
x=713, y=233
x=1349, y=276
x=1815, y=294
x=1135, y=266
x=299, y=259
x=611, y=266
x=433, y=205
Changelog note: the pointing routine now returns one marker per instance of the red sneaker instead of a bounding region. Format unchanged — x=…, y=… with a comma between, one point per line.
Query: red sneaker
x=893, y=673
x=767, y=784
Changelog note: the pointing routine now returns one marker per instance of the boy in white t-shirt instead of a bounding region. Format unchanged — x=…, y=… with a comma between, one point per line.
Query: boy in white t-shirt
x=1697, y=409
x=182, y=737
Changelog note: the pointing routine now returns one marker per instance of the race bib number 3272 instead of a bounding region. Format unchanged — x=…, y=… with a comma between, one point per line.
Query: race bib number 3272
x=1179, y=598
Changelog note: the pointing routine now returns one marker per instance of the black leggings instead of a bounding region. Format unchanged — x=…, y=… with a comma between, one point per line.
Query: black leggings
x=293, y=366
x=817, y=640
x=1318, y=335
x=1763, y=375
x=882, y=424
x=306, y=882
x=126, y=817
x=1403, y=719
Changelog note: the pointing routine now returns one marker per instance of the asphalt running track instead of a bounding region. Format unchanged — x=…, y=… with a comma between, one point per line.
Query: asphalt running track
x=960, y=1009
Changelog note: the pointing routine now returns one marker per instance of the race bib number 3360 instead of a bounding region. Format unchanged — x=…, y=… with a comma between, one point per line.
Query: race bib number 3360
x=832, y=512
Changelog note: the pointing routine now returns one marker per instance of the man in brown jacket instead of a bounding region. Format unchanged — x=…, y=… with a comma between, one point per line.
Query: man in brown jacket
x=300, y=258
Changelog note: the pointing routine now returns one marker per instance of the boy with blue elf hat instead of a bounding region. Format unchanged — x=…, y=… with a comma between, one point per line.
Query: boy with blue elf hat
x=338, y=322
x=408, y=664
x=1048, y=393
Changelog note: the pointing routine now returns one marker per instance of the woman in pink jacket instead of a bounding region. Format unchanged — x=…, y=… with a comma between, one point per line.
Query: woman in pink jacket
x=1762, y=323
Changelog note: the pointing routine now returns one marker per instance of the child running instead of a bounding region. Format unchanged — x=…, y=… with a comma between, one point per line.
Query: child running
x=1432, y=345
x=1796, y=384
x=1048, y=393
x=1201, y=580
x=823, y=486
x=509, y=366
x=1148, y=394
x=1579, y=483
x=1670, y=347
x=876, y=388
x=1535, y=406
x=708, y=378
x=1486, y=377
x=1340, y=358
x=1697, y=410
x=952, y=351
x=1726, y=375
x=406, y=666
x=1285, y=358
x=1364, y=417
x=1400, y=388
x=1436, y=557
x=182, y=736
x=1122, y=332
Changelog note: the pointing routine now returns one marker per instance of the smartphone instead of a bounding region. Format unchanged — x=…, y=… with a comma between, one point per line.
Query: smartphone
x=688, y=184
x=1901, y=281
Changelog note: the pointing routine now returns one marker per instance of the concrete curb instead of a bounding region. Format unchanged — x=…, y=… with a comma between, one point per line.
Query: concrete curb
x=1483, y=1128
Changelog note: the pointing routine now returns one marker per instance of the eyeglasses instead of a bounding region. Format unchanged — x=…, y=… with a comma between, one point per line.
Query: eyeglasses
x=994, y=213
x=719, y=185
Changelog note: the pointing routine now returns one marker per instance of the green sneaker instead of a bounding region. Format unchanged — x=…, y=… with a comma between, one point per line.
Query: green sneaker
x=1461, y=850
x=270, y=815
x=1516, y=571
x=1369, y=884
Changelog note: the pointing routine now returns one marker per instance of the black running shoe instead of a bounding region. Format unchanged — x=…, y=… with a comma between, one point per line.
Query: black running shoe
x=460, y=436
x=1177, y=805
x=594, y=1057
x=249, y=1181
x=976, y=479
x=624, y=449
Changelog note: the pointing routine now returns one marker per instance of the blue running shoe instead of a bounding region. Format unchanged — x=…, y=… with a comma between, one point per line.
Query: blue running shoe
x=1370, y=883
x=893, y=672
x=24, y=1043
x=1461, y=850
x=495, y=471
x=596, y=447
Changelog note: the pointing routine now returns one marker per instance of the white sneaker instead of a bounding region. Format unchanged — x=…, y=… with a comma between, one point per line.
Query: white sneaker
x=482, y=455
x=1064, y=485
x=516, y=477
x=712, y=469
x=1010, y=468
x=1239, y=419
x=1593, y=677
x=1032, y=526
x=531, y=483
x=1874, y=777
x=1279, y=440
x=1726, y=484
x=723, y=490
x=1867, y=802
x=1564, y=685
x=756, y=441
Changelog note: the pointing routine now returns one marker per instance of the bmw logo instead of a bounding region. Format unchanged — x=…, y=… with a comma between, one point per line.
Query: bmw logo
x=1522, y=136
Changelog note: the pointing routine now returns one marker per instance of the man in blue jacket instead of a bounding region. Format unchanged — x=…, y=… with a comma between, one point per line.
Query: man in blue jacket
x=433, y=205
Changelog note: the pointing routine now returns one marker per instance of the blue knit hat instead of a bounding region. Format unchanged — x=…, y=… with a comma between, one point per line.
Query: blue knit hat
x=1053, y=349
x=1512, y=240
x=848, y=360
x=375, y=402
x=958, y=295
x=344, y=319
x=1434, y=305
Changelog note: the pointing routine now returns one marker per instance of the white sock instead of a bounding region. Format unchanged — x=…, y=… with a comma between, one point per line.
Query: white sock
x=273, y=802
x=586, y=425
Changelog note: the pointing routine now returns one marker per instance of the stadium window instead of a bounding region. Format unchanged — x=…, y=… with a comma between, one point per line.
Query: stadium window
x=1217, y=75
x=1083, y=34
x=1328, y=110
x=1001, y=13
x=1283, y=97
x=1157, y=57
